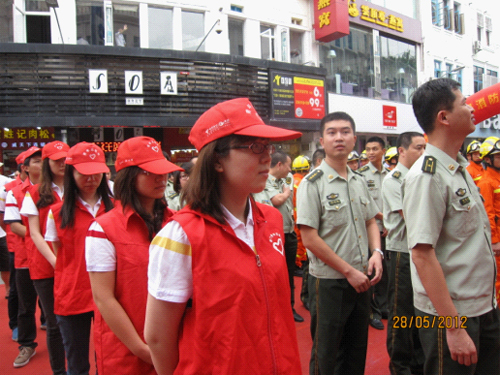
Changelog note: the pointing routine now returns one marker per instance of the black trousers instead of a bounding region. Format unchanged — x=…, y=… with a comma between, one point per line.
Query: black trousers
x=290, y=255
x=484, y=330
x=378, y=303
x=26, y=323
x=13, y=302
x=339, y=327
x=406, y=356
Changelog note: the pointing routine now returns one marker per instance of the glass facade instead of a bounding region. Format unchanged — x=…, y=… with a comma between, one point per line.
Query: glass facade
x=160, y=28
x=370, y=65
x=193, y=30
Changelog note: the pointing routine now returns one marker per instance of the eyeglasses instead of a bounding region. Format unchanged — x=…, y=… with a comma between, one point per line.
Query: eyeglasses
x=257, y=148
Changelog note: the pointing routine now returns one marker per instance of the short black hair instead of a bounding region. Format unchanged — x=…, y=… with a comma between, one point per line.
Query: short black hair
x=376, y=139
x=337, y=116
x=319, y=154
x=278, y=156
x=405, y=139
x=430, y=98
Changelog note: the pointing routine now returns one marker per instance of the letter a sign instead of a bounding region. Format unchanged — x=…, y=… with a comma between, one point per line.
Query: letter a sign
x=133, y=82
x=98, y=81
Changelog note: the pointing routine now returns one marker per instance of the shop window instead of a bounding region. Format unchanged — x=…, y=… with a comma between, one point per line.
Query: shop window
x=267, y=43
x=36, y=6
x=437, y=69
x=160, y=28
x=488, y=31
x=478, y=78
x=6, y=26
x=89, y=22
x=126, y=25
x=458, y=19
x=436, y=13
x=235, y=30
x=480, y=26
x=193, y=30
x=447, y=16
x=296, y=55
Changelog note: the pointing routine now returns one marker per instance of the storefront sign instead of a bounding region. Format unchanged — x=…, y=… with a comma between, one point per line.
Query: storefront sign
x=297, y=97
x=370, y=15
x=98, y=81
x=133, y=82
x=330, y=19
x=168, y=82
x=390, y=118
x=24, y=138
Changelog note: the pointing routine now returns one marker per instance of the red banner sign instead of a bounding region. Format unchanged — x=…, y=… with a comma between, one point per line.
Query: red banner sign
x=331, y=19
x=390, y=116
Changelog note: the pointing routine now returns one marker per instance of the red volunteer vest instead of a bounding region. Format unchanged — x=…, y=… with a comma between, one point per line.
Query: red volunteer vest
x=72, y=292
x=40, y=267
x=241, y=318
x=13, y=240
x=21, y=255
x=129, y=235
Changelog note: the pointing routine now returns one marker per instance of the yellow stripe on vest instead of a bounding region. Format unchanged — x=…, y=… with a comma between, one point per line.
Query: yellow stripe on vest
x=168, y=244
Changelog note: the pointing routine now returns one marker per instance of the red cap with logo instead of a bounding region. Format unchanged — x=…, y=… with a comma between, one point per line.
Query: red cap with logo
x=236, y=116
x=30, y=152
x=87, y=158
x=55, y=150
x=145, y=153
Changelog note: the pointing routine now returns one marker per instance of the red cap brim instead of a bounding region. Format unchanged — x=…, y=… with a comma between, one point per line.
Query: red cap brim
x=267, y=131
x=160, y=166
x=58, y=155
x=91, y=168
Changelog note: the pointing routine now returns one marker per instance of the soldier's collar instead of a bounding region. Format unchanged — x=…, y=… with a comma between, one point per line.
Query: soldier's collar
x=448, y=163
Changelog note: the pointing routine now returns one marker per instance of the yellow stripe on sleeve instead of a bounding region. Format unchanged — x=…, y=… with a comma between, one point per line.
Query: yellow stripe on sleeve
x=496, y=191
x=168, y=244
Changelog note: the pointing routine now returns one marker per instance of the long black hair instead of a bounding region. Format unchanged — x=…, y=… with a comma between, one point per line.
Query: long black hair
x=45, y=189
x=127, y=194
x=71, y=194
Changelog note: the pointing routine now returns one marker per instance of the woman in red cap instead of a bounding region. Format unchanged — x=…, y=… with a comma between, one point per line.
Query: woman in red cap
x=36, y=206
x=117, y=253
x=86, y=196
x=219, y=296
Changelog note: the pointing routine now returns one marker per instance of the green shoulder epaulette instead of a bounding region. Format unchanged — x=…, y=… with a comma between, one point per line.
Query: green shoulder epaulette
x=387, y=169
x=429, y=164
x=173, y=195
x=314, y=175
x=396, y=174
x=359, y=174
x=364, y=169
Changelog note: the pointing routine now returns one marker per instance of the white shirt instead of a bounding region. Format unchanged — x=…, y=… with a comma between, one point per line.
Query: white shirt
x=29, y=207
x=170, y=276
x=3, y=180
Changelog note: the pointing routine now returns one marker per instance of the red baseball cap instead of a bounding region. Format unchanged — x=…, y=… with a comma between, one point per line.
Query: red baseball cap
x=20, y=158
x=30, y=151
x=145, y=153
x=87, y=158
x=236, y=116
x=55, y=150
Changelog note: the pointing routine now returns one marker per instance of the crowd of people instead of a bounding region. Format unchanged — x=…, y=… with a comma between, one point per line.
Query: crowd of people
x=169, y=264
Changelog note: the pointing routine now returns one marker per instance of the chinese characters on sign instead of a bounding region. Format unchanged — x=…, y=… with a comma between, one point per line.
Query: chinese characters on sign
x=296, y=97
x=24, y=138
x=376, y=16
x=330, y=19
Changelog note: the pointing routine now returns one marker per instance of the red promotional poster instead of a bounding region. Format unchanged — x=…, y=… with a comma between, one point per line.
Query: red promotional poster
x=309, y=98
x=486, y=103
x=390, y=116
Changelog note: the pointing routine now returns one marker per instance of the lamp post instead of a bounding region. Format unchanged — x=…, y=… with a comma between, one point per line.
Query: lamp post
x=218, y=31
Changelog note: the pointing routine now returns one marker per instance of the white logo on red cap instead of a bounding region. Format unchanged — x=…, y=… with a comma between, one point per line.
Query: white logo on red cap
x=217, y=126
x=59, y=146
x=153, y=145
x=91, y=153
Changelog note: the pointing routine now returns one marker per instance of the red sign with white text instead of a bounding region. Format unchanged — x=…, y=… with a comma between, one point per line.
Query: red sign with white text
x=390, y=117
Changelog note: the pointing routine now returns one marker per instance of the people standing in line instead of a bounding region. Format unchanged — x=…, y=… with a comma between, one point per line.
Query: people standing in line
x=86, y=196
x=174, y=200
x=13, y=242
x=218, y=286
x=117, y=254
x=453, y=265
x=279, y=194
x=374, y=173
x=489, y=187
x=353, y=160
x=475, y=167
x=4, y=252
x=336, y=216
x=36, y=206
x=26, y=293
x=403, y=345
